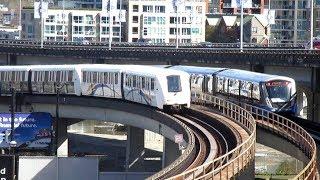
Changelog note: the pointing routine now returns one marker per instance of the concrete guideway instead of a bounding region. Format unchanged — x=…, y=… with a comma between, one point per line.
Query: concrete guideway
x=271, y=121
x=236, y=160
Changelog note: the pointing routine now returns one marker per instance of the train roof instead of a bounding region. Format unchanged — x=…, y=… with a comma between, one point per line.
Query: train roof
x=15, y=68
x=197, y=69
x=151, y=70
x=53, y=67
x=251, y=76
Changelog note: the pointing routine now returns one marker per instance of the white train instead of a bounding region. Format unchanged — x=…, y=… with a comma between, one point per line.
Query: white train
x=158, y=87
x=271, y=92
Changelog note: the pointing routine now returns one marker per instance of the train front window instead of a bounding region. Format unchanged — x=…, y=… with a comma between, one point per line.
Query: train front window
x=279, y=91
x=174, y=83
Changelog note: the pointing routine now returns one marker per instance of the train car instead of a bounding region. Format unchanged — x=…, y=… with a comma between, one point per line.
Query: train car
x=271, y=92
x=158, y=87
x=101, y=80
x=46, y=79
x=15, y=76
x=201, y=78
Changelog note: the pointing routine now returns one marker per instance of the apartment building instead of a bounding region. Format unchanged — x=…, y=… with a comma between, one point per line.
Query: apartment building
x=158, y=21
x=71, y=25
x=292, y=21
x=81, y=4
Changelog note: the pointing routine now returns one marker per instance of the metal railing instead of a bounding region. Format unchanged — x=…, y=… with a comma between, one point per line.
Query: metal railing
x=290, y=131
x=231, y=163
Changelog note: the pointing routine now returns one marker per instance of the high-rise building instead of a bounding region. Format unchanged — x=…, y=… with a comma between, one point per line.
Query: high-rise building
x=158, y=21
x=292, y=21
x=71, y=25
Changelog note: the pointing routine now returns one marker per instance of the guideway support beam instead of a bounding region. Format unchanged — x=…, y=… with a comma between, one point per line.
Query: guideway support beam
x=171, y=152
x=135, y=149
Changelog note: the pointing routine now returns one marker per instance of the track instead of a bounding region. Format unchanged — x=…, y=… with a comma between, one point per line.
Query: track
x=213, y=138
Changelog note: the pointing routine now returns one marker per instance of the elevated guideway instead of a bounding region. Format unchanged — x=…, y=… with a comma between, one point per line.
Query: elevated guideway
x=234, y=163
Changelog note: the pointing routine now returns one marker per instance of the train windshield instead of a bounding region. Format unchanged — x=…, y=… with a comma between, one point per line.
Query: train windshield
x=174, y=83
x=279, y=91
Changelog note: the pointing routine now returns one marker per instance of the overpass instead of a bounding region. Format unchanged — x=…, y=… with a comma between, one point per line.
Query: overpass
x=236, y=163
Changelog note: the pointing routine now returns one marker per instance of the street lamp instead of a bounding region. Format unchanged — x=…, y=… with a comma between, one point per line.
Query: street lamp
x=12, y=109
x=58, y=89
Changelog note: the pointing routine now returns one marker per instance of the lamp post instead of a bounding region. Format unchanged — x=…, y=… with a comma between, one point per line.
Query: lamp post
x=177, y=36
x=311, y=25
x=12, y=110
x=20, y=27
x=58, y=89
x=42, y=23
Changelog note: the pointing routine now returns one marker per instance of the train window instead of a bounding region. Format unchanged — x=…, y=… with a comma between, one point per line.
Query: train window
x=225, y=85
x=143, y=82
x=220, y=81
x=134, y=81
x=147, y=83
x=152, y=84
x=245, y=89
x=234, y=86
x=70, y=76
x=279, y=91
x=95, y=77
x=174, y=84
x=116, y=78
x=255, y=91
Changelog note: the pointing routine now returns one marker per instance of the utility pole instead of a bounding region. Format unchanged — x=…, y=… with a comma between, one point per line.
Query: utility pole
x=241, y=28
x=12, y=110
x=42, y=23
x=311, y=25
x=177, y=36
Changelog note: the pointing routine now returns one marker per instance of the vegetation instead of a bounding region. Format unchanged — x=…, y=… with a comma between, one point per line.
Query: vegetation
x=222, y=34
x=286, y=168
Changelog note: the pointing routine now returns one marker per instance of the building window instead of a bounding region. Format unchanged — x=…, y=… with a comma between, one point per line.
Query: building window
x=172, y=20
x=199, y=9
x=135, y=8
x=77, y=30
x=105, y=30
x=23, y=16
x=89, y=19
x=147, y=9
x=135, y=30
x=78, y=19
x=49, y=29
x=160, y=9
x=145, y=31
x=185, y=31
x=104, y=20
x=134, y=39
x=135, y=19
x=254, y=29
x=30, y=29
x=172, y=31
x=32, y=16
x=50, y=18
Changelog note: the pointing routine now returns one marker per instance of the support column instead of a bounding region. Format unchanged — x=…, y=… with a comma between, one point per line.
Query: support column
x=135, y=149
x=299, y=103
x=316, y=109
x=170, y=152
x=315, y=95
x=62, y=144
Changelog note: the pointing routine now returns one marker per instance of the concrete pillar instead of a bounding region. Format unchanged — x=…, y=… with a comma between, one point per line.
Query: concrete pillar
x=315, y=107
x=315, y=95
x=135, y=149
x=248, y=172
x=170, y=152
x=62, y=140
x=299, y=103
